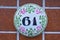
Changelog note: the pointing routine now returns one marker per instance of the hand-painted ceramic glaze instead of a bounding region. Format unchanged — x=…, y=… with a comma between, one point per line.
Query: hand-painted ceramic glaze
x=30, y=20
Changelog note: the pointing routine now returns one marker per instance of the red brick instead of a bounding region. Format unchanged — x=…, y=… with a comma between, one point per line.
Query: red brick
x=53, y=20
x=39, y=2
x=39, y=37
x=7, y=2
x=6, y=19
x=52, y=37
x=55, y=3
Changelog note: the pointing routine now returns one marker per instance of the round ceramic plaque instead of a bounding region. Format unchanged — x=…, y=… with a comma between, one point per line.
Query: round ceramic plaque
x=30, y=20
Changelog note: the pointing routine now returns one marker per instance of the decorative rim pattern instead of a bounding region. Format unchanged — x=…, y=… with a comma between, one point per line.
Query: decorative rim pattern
x=32, y=11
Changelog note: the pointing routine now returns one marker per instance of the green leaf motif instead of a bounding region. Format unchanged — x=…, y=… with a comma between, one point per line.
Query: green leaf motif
x=42, y=18
x=20, y=15
x=30, y=33
x=30, y=9
x=30, y=28
x=43, y=22
x=20, y=24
